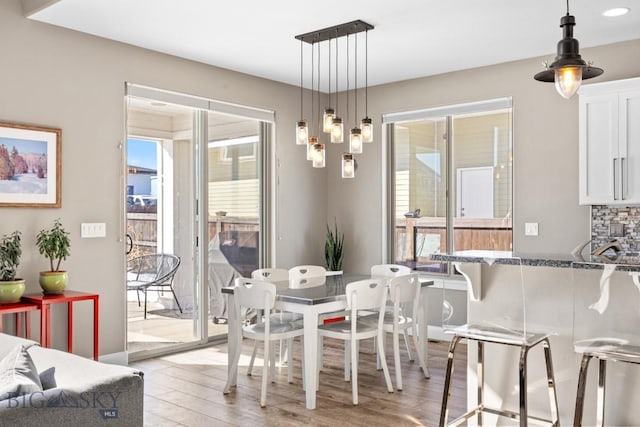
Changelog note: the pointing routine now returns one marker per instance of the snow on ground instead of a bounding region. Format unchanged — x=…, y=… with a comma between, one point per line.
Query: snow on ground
x=27, y=183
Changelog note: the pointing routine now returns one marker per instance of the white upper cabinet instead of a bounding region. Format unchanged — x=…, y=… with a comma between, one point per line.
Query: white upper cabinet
x=609, y=140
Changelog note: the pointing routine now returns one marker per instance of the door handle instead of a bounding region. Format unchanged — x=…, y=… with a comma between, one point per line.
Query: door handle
x=622, y=178
x=615, y=194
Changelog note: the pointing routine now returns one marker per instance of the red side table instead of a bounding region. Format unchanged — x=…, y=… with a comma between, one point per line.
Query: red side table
x=43, y=302
x=17, y=308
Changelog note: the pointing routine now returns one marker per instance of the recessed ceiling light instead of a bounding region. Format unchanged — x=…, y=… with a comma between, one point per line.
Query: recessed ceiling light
x=616, y=11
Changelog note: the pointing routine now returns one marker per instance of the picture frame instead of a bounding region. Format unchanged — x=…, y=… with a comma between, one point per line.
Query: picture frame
x=30, y=166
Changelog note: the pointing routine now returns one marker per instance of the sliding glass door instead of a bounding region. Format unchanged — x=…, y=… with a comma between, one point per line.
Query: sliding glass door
x=195, y=189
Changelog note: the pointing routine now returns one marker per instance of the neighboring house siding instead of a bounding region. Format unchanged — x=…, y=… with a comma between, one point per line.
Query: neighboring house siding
x=236, y=198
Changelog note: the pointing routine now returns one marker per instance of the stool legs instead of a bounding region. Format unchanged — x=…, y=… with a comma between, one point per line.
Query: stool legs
x=522, y=376
x=582, y=382
x=522, y=414
x=444, y=410
x=551, y=383
x=602, y=377
x=480, y=374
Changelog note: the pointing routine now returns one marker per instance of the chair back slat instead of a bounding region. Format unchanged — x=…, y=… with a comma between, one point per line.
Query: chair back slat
x=365, y=294
x=389, y=270
x=271, y=274
x=405, y=288
x=255, y=294
x=306, y=276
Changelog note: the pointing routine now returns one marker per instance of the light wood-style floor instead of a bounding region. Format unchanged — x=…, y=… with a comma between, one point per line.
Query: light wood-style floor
x=185, y=389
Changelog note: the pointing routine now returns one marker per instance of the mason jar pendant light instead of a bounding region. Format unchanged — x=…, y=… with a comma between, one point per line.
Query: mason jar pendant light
x=302, y=130
x=313, y=140
x=318, y=155
x=336, y=123
x=568, y=69
x=328, y=120
x=355, y=136
x=366, y=124
x=348, y=166
x=329, y=113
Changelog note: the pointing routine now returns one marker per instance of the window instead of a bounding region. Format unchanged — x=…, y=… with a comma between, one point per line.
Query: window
x=450, y=181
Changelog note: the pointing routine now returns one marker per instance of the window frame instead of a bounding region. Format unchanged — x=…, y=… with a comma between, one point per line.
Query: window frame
x=449, y=112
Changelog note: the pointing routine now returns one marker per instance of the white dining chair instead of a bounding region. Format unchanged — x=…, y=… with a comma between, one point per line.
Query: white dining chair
x=260, y=295
x=362, y=295
x=404, y=294
x=273, y=275
x=393, y=270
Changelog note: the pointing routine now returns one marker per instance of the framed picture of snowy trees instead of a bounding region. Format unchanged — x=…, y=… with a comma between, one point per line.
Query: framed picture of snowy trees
x=30, y=165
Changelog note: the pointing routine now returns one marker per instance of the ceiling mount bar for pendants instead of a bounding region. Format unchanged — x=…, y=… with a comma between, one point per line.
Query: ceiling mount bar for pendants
x=335, y=31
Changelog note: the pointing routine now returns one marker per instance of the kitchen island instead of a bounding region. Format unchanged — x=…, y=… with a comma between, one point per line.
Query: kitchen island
x=571, y=298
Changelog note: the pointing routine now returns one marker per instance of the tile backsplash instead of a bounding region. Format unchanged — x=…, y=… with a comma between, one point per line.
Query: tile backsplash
x=604, y=217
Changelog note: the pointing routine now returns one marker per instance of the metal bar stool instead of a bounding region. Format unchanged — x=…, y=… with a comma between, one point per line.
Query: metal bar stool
x=606, y=301
x=498, y=319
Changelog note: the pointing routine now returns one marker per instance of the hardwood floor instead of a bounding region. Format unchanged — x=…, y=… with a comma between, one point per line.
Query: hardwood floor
x=185, y=389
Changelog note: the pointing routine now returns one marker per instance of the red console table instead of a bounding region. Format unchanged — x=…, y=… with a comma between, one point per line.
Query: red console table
x=17, y=308
x=43, y=302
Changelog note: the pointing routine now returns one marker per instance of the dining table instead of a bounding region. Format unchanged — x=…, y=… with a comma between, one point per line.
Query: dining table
x=311, y=303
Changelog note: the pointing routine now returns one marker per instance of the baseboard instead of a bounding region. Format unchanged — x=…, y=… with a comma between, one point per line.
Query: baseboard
x=119, y=358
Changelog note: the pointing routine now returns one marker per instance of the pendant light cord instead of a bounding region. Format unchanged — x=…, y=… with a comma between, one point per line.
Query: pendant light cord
x=355, y=83
x=567, y=7
x=337, y=98
x=346, y=119
x=319, y=120
x=313, y=115
x=366, y=73
x=301, y=82
x=329, y=73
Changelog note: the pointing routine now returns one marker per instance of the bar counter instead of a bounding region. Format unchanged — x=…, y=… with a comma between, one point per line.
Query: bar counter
x=554, y=290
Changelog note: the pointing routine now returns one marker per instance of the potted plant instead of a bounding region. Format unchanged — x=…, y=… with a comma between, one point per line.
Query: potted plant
x=333, y=249
x=54, y=244
x=11, y=289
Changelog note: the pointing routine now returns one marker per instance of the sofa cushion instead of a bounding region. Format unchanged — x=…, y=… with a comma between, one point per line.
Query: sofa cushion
x=18, y=374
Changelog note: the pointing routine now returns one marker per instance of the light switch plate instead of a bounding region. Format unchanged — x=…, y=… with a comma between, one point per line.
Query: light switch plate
x=93, y=230
x=530, y=228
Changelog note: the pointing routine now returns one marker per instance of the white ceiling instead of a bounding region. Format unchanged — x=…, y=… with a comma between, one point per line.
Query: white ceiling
x=412, y=38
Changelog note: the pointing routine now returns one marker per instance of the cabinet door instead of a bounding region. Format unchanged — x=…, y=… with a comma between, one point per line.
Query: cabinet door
x=599, y=161
x=629, y=111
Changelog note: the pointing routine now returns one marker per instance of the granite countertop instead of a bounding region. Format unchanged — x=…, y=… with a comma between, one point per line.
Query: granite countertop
x=623, y=261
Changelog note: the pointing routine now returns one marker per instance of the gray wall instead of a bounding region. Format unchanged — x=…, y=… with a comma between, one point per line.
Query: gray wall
x=60, y=78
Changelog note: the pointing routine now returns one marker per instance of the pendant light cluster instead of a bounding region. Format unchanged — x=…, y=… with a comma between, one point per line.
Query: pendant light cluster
x=569, y=69
x=309, y=133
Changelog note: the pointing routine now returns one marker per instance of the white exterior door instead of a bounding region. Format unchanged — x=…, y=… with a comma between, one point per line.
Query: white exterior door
x=475, y=192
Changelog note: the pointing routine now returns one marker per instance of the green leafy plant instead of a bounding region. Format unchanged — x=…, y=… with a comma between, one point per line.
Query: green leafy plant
x=54, y=243
x=10, y=251
x=334, y=248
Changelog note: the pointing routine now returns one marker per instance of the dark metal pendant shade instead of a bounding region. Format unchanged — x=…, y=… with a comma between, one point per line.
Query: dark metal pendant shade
x=568, y=55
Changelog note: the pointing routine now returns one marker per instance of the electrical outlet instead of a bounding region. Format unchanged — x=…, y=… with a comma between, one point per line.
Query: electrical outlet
x=530, y=228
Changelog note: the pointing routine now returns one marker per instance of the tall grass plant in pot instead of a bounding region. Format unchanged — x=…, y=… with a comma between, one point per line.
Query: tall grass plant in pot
x=54, y=244
x=334, y=249
x=11, y=289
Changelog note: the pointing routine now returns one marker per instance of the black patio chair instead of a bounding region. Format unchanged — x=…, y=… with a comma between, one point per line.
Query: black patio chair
x=152, y=272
